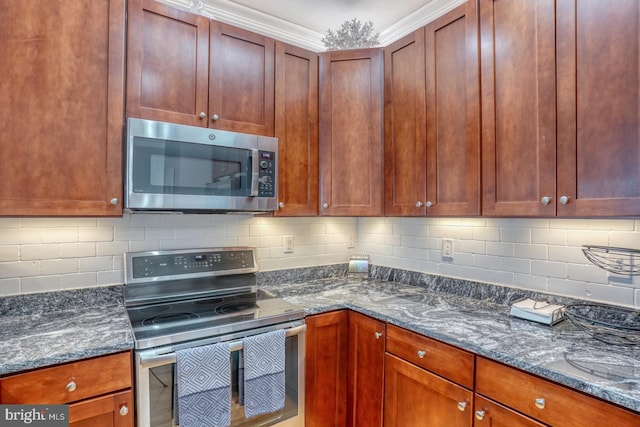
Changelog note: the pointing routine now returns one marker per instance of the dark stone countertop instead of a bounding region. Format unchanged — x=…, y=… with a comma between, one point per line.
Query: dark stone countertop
x=39, y=330
x=477, y=319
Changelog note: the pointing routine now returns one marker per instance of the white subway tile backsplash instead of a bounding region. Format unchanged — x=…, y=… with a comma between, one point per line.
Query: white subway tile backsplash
x=38, y=254
x=58, y=266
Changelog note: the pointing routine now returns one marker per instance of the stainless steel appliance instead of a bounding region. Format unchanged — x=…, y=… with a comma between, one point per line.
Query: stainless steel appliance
x=186, y=298
x=172, y=167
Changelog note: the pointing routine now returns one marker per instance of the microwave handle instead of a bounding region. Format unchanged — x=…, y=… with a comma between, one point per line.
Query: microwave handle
x=255, y=172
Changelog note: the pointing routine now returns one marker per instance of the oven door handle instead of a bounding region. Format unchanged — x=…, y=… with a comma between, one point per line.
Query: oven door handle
x=167, y=358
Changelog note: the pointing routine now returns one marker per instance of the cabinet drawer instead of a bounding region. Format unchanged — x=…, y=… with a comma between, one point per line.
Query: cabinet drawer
x=546, y=401
x=442, y=359
x=70, y=382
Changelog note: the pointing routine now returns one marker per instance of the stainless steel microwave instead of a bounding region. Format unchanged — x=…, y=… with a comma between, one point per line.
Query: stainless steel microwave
x=172, y=167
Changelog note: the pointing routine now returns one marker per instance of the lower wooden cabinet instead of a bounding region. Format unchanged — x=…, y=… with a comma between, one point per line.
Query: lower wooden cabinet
x=546, y=401
x=326, y=369
x=113, y=410
x=99, y=390
x=492, y=414
x=366, y=371
x=416, y=397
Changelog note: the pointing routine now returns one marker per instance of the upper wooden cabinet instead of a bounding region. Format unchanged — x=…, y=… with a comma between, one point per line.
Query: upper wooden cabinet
x=518, y=106
x=598, y=48
x=167, y=64
x=183, y=68
x=241, y=80
x=351, y=133
x=296, y=128
x=570, y=149
x=432, y=119
x=61, y=107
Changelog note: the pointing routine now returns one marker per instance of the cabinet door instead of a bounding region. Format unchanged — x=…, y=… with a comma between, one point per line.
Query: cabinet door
x=326, y=369
x=518, y=107
x=366, y=371
x=598, y=104
x=405, y=155
x=351, y=133
x=61, y=107
x=167, y=64
x=296, y=112
x=114, y=410
x=488, y=413
x=453, y=113
x=415, y=397
x=241, y=81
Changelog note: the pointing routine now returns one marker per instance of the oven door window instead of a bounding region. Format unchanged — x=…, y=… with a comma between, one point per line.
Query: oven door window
x=169, y=167
x=162, y=393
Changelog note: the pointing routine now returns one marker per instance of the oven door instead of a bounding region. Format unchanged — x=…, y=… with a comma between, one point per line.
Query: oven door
x=155, y=385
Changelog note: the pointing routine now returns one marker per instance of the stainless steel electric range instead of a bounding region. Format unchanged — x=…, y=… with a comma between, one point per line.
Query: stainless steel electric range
x=187, y=298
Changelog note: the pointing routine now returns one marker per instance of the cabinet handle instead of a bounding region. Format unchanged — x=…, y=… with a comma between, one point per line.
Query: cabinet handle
x=421, y=353
x=419, y=204
x=480, y=415
x=71, y=386
x=325, y=205
x=114, y=201
x=564, y=200
x=429, y=204
x=545, y=200
x=203, y=115
x=124, y=410
x=540, y=403
x=215, y=117
x=281, y=205
x=462, y=406
x=378, y=335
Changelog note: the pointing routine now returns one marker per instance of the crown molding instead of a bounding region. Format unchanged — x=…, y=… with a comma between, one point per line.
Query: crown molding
x=427, y=13
x=289, y=32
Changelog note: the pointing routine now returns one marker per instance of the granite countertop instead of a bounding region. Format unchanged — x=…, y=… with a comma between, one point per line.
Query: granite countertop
x=39, y=330
x=562, y=353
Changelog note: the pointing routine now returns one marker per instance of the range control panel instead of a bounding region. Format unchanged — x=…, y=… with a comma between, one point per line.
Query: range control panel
x=150, y=265
x=267, y=174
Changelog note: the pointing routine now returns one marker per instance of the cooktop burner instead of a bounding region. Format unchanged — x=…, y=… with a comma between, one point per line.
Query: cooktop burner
x=178, y=296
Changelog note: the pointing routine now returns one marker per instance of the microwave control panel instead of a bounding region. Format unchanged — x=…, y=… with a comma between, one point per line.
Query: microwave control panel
x=267, y=176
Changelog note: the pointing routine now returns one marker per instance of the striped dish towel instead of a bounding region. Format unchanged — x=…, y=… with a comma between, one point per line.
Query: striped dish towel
x=203, y=377
x=264, y=362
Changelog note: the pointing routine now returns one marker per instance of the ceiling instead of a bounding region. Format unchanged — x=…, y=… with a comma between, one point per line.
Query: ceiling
x=305, y=22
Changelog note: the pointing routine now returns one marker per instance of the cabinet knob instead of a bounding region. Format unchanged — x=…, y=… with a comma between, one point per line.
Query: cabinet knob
x=325, y=205
x=540, y=403
x=421, y=354
x=419, y=204
x=564, y=200
x=462, y=406
x=281, y=205
x=114, y=201
x=378, y=335
x=202, y=115
x=429, y=204
x=215, y=117
x=480, y=415
x=545, y=200
x=71, y=386
x=124, y=410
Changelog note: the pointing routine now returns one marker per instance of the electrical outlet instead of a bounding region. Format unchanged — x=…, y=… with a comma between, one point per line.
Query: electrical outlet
x=352, y=241
x=288, y=244
x=447, y=248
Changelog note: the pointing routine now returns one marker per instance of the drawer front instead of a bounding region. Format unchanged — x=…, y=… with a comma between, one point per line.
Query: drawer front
x=70, y=382
x=445, y=360
x=546, y=401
